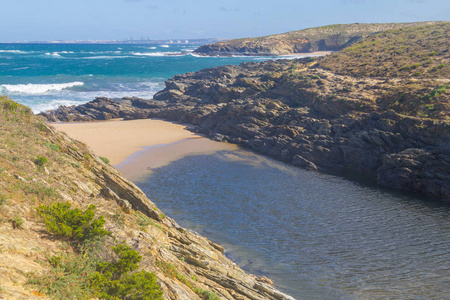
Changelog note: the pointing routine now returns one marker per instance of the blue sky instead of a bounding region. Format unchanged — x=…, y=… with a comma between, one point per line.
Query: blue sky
x=33, y=20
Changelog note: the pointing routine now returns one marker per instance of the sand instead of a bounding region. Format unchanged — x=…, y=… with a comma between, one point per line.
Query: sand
x=136, y=147
x=316, y=53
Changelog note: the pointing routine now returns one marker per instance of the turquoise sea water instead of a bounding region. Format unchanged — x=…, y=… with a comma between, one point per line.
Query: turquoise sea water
x=44, y=76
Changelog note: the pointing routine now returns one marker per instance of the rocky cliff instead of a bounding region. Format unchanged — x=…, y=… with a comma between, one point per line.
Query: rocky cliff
x=39, y=165
x=386, y=121
x=326, y=38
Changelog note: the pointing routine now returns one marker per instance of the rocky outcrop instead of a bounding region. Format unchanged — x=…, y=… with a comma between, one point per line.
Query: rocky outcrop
x=326, y=38
x=198, y=268
x=306, y=116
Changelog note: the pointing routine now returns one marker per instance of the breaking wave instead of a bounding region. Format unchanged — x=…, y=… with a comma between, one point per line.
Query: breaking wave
x=37, y=88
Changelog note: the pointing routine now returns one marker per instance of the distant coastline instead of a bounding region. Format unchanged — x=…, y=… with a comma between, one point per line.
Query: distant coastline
x=125, y=42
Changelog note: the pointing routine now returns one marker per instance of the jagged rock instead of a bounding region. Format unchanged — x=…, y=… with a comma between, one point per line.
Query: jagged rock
x=298, y=121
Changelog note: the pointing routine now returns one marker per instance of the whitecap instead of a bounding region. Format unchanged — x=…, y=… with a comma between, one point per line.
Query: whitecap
x=103, y=57
x=37, y=108
x=196, y=55
x=55, y=54
x=38, y=88
x=152, y=48
x=14, y=51
x=159, y=54
x=164, y=46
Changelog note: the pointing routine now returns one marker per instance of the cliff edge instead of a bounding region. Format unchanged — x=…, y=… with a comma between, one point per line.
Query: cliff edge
x=41, y=166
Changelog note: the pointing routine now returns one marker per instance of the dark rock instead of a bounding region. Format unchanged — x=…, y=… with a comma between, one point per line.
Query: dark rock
x=263, y=107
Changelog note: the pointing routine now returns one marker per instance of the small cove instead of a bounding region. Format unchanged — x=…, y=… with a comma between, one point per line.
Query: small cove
x=317, y=236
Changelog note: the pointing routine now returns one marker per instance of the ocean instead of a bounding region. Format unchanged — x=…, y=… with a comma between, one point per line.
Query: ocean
x=44, y=76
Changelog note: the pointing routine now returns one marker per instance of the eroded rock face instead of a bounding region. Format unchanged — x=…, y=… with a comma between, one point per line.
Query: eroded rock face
x=306, y=116
x=78, y=176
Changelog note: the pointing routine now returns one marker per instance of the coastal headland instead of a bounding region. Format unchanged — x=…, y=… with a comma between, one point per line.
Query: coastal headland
x=377, y=109
x=325, y=38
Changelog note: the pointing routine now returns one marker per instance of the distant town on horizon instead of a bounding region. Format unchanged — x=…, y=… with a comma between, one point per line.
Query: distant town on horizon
x=129, y=41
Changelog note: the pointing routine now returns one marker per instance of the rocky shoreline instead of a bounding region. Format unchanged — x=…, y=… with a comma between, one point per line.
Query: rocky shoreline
x=377, y=109
x=262, y=107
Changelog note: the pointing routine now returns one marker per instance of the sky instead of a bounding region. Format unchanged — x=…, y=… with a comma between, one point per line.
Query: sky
x=47, y=20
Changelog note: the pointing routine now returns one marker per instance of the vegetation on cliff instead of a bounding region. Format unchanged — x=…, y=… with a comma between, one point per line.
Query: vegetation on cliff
x=72, y=227
x=325, y=38
x=417, y=52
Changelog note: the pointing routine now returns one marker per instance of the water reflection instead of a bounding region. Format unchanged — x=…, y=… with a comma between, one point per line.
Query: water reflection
x=317, y=236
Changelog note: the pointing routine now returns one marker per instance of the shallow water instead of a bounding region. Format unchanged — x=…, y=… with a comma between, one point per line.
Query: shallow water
x=317, y=236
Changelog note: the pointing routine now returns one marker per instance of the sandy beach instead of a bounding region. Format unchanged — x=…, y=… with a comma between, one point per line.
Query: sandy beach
x=136, y=147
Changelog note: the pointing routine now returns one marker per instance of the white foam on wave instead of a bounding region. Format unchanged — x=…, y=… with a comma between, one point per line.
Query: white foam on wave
x=159, y=54
x=55, y=54
x=14, y=51
x=37, y=88
x=37, y=108
x=164, y=46
x=103, y=57
x=22, y=68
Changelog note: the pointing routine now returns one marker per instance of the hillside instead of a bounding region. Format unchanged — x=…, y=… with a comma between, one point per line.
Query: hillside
x=48, y=252
x=322, y=114
x=410, y=52
x=325, y=38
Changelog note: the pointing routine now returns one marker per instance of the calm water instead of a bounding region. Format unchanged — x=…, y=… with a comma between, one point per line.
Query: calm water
x=317, y=236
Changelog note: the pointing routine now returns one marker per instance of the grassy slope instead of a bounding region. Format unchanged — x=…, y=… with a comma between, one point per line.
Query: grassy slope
x=331, y=37
x=70, y=172
x=422, y=52
x=410, y=65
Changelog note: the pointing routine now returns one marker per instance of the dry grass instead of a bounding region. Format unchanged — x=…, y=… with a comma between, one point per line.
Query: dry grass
x=325, y=38
x=419, y=52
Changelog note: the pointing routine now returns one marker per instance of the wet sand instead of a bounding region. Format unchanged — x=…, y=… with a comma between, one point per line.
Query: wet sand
x=136, y=147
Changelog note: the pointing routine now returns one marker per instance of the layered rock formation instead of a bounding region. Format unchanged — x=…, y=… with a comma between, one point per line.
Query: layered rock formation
x=72, y=173
x=326, y=38
x=394, y=130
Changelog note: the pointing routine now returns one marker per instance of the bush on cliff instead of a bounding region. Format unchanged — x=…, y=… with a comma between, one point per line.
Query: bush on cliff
x=86, y=274
x=113, y=281
x=72, y=224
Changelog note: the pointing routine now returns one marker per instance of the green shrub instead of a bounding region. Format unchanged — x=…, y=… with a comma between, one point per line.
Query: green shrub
x=113, y=281
x=16, y=222
x=10, y=105
x=207, y=295
x=67, y=277
x=52, y=146
x=41, y=190
x=3, y=199
x=72, y=224
x=104, y=159
x=40, y=161
x=143, y=221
